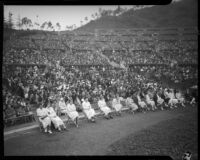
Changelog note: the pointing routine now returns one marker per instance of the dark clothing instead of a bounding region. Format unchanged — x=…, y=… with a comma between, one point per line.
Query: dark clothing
x=155, y=98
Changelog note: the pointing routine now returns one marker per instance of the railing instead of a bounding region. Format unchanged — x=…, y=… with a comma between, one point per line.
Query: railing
x=24, y=118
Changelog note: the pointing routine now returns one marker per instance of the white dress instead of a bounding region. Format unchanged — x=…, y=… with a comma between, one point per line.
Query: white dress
x=172, y=100
x=54, y=118
x=159, y=100
x=103, y=107
x=141, y=103
x=116, y=104
x=71, y=111
x=131, y=104
x=180, y=97
x=63, y=107
x=41, y=113
x=88, y=110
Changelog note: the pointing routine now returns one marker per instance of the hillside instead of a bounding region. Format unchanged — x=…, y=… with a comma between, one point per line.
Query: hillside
x=180, y=14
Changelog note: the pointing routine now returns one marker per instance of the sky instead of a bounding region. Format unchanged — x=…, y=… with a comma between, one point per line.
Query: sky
x=66, y=15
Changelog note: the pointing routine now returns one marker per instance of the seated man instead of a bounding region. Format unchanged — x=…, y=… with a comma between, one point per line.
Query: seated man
x=130, y=104
x=43, y=117
x=58, y=123
x=88, y=110
x=62, y=106
x=116, y=104
x=104, y=108
x=72, y=113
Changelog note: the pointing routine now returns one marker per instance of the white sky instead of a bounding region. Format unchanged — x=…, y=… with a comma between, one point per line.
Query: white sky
x=65, y=15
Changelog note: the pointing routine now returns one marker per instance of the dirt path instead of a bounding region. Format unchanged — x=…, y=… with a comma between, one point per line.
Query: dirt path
x=89, y=139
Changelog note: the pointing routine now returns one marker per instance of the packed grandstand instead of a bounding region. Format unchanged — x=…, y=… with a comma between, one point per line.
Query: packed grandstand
x=78, y=65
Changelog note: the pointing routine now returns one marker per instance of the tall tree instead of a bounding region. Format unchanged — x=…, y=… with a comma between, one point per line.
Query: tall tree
x=5, y=23
x=37, y=24
x=19, y=22
x=10, y=20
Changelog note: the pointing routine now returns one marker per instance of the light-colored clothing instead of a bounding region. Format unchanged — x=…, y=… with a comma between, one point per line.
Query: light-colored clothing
x=160, y=100
x=149, y=101
x=63, y=107
x=131, y=104
x=141, y=103
x=103, y=107
x=88, y=110
x=42, y=113
x=116, y=103
x=54, y=118
x=71, y=111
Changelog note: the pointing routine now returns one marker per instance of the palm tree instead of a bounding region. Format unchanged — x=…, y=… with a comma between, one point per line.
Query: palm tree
x=10, y=20
x=19, y=22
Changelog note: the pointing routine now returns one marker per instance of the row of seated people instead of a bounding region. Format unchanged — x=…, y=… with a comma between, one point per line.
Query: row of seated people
x=160, y=99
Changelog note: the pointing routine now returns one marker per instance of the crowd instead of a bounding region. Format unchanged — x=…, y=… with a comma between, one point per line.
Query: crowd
x=47, y=81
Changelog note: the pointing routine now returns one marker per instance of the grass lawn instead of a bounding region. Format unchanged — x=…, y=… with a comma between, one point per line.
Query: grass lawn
x=172, y=137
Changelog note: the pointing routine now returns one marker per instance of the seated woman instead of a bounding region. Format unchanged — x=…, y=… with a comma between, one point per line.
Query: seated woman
x=130, y=104
x=62, y=106
x=88, y=110
x=72, y=113
x=43, y=117
x=104, y=108
x=116, y=104
x=58, y=123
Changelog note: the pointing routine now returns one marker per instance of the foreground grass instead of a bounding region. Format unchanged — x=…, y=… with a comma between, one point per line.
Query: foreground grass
x=172, y=137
